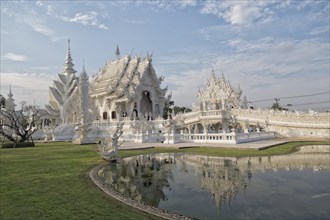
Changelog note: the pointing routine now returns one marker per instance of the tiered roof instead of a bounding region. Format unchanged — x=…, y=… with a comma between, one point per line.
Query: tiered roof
x=64, y=87
x=120, y=78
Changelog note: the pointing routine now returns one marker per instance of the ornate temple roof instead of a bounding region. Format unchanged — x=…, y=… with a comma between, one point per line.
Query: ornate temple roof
x=120, y=78
x=64, y=87
x=219, y=90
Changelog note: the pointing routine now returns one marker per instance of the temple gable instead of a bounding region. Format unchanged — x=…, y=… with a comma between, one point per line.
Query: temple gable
x=128, y=87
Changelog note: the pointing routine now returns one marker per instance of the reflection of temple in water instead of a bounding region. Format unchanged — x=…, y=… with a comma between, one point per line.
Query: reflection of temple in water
x=141, y=178
x=144, y=177
x=225, y=177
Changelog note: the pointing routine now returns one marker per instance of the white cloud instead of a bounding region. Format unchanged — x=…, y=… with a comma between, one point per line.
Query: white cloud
x=32, y=19
x=38, y=26
x=132, y=21
x=264, y=68
x=319, y=30
x=50, y=9
x=172, y=5
x=186, y=3
x=249, y=12
x=240, y=12
x=29, y=87
x=5, y=32
x=88, y=19
x=46, y=68
x=14, y=57
x=39, y=3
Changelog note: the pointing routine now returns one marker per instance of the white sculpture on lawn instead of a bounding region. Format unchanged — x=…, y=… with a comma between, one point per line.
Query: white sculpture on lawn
x=84, y=124
x=108, y=147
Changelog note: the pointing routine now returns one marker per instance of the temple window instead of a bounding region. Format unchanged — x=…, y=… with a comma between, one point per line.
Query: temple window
x=113, y=115
x=105, y=115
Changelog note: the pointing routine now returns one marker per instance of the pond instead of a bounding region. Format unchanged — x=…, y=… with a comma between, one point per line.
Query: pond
x=275, y=187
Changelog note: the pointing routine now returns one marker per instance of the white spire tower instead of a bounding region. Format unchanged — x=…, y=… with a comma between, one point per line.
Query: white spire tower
x=83, y=128
x=68, y=65
x=63, y=89
x=10, y=105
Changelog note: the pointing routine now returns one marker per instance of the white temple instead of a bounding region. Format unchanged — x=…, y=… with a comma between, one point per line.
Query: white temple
x=218, y=94
x=128, y=90
x=128, y=87
x=63, y=94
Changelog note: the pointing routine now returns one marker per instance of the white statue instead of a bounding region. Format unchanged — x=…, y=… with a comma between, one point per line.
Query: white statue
x=108, y=148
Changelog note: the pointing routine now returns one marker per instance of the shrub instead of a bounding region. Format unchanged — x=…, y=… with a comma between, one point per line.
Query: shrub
x=18, y=145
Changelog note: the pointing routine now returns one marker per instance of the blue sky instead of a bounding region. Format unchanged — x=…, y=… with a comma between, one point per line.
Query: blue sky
x=271, y=48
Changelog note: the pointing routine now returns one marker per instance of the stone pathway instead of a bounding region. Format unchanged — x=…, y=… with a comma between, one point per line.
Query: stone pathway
x=258, y=145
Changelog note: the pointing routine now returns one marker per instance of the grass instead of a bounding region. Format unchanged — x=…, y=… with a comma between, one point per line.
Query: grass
x=50, y=181
x=229, y=152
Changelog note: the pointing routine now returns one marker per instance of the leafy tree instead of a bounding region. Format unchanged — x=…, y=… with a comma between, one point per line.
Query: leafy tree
x=183, y=109
x=2, y=102
x=277, y=106
x=175, y=109
x=18, y=126
x=167, y=108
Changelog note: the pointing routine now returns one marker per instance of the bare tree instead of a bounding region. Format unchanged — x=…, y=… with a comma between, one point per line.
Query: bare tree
x=18, y=126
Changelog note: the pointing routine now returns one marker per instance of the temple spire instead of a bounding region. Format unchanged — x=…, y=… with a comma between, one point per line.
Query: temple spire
x=10, y=102
x=68, y=65
x=10, y=94
x=117, y=52
x=69, y=44
x=83, y=72
x=213, y=76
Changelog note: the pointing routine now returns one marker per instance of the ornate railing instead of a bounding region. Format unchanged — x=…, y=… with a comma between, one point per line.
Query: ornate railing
x=263, y=117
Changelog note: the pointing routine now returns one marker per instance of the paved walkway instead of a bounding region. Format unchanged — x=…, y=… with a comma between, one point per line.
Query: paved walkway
x=258, y=145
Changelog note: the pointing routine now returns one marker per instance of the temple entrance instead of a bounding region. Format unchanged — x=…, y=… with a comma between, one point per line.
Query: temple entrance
x=146, y=105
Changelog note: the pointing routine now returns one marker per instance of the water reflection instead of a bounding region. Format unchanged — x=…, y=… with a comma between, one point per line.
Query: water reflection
x=141, y=178
x=169, y=180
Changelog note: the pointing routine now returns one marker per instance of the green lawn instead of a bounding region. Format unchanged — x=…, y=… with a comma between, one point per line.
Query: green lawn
x=50, y=181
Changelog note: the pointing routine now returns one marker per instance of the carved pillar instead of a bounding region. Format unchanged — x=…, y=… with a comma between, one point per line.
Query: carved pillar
x=190, y=129
x=204, y=106
x=205, y=128
x=153, y=104
x=118, y=108
x=196, y=129
x=246, y=126
x=223, y=107
x=130, y=108
x=138, y=100
x=225, y=125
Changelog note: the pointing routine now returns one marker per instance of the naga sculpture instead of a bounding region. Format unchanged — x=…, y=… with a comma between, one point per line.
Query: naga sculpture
x=108, y=147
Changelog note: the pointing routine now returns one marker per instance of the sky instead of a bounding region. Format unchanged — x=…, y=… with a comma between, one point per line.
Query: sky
x=272, y=49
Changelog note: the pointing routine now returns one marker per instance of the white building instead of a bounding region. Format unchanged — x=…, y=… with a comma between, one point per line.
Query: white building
x=128, y=90
x=128, y=87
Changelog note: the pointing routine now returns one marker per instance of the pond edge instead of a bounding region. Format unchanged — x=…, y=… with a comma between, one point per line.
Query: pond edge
x=93, y=174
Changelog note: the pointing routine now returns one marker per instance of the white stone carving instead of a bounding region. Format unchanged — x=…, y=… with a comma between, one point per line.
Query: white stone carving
x=84, y=124
x=108, y=147
x=64, y=92
x=218, y=94
x=128, y=88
